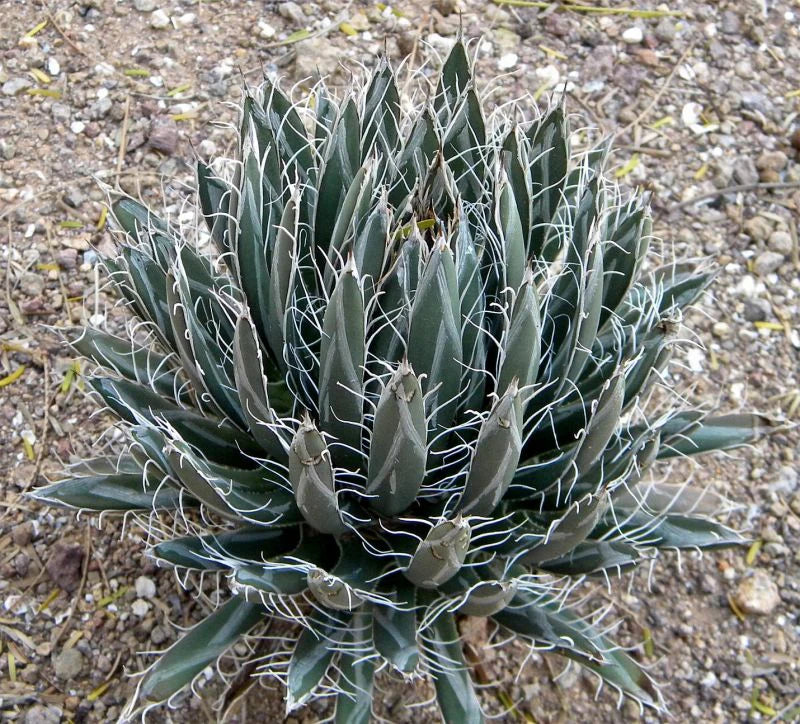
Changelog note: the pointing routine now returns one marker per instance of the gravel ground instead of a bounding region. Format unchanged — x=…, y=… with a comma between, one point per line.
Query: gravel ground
x=100, y=92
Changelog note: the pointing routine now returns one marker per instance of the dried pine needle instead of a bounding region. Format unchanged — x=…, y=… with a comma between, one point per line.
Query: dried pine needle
x=179, y=89
x=101, y=222
x=295, y=37
x=28, y=446
x=757, y=705
x=12, y=666
x=735, y=608
x=48, y=92
x=752, y=552
x=40, y=76
x=547, y=50
x=630, y=12
x=70, y=224
x=136, y=73
x=47, y=601
x=13, y=377
x=103, y=602
x=649, y=646
x=98, y=692
x=191, y=115
x=774, y=326
x=507, y=703
x=628, y=167
x=36, y=29
x=665, y=121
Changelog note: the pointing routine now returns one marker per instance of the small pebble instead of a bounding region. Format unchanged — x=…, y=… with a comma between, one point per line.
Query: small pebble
x=507, y=61
x=145, y=587
x=757, y=594
x=68, y=663
x=159, y=20
x=633, y=36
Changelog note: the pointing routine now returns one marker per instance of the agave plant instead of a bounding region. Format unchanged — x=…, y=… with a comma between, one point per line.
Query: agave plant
x=402, y=377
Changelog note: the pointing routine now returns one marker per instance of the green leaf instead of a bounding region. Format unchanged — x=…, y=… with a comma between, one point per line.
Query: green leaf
x=545, y=622
x=705, y=434
x=668, y=531
x=112, y=491
x=565, y=531
x=455, y=79
x=496, y=455
x=252, y=262
x=310, y=660
x=522, y=341
x=280, y=581
x=455, y=694
x=593, y=557
x=397, y=449
x=511, y=232
x=440, y=555
x=198, y=648
x=354, y=701
x=214, y=195
x=473, y=310
x=434, y=343
x=547, y=159
x=225, y=550
x=338, y=172
x=394, y=630
x=381, y=119
x=623, y=253
x=341, y=368
x=251, y=386
x=311, y=474
x=293, y=143
x=135, y=363
x=416, y=157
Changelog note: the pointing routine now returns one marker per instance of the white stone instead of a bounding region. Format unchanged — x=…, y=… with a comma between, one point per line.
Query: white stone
x=53, y=66
x=187, y=19
x=159, y=20
x=695, y=357
x=633, y=36
x=507, y=61
x=690, y=114
x=265, y=30
x=144, y=6
x=140, y=608
x=757, y=594
x=145, y=587
x=549, y=75
x=77, y=126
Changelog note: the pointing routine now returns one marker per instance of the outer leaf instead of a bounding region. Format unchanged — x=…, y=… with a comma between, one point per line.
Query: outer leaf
x=310, y=660
x=544, y=621
x=454, y=692
x=394, y=630
x=715, y=433
x=200, y=647
x=215, y=552
x=113, y=491
x=354, y=702
x=135, y=363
